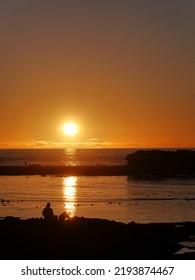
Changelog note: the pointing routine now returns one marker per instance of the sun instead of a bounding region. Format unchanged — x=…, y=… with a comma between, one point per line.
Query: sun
x=70, y=129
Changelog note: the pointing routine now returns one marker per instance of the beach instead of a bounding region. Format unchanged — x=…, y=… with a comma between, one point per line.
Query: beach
x=113, y=213
x=82, y=238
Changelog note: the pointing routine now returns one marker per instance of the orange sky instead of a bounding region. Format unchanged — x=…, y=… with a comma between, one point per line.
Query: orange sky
x=122, y=70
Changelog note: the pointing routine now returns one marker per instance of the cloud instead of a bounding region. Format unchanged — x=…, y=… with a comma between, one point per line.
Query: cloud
x=90, y=143
x=44, y=144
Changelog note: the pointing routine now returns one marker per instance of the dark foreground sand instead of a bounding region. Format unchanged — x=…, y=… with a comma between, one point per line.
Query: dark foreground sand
x=82, y=238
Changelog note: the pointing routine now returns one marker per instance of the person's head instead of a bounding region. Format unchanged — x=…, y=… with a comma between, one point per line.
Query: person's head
x=48, y=204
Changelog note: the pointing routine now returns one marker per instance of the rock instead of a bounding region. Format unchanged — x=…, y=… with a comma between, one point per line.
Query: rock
x=83, y=238
x=158, y=162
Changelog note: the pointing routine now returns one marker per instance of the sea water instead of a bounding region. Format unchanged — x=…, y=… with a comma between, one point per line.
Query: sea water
x=69, y=156
x=119, y=198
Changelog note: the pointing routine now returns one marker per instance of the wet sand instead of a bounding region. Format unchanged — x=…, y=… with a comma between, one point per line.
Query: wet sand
x=83, y=238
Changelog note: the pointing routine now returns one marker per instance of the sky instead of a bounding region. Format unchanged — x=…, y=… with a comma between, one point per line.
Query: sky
x=122, y=70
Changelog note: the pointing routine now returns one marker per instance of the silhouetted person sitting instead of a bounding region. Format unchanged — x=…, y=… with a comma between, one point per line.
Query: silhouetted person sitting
x=48, y=212
x=63, y=217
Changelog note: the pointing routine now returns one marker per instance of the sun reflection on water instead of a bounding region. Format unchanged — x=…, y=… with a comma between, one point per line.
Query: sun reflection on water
x=70, y=157
x=69, y=192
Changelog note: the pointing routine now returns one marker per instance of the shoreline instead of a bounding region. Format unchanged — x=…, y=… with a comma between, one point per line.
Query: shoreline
x=92, y=238
x=93, y=170
x=150, y=162
x=43, y=170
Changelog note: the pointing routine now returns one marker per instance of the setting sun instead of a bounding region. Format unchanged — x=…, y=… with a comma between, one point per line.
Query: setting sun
x=70, y=129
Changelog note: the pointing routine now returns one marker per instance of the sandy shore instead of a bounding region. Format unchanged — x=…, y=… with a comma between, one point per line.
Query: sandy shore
x=84, y=238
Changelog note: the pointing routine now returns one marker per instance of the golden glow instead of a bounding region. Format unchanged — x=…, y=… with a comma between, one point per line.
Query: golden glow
x=89, y=81
x=70, y=129
x=70, y=181
x=69, y=191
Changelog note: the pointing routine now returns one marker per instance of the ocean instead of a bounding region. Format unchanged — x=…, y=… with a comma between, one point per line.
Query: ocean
x=120, y=198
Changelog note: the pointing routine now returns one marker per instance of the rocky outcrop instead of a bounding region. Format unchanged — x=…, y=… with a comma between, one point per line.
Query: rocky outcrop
x=158, y=162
